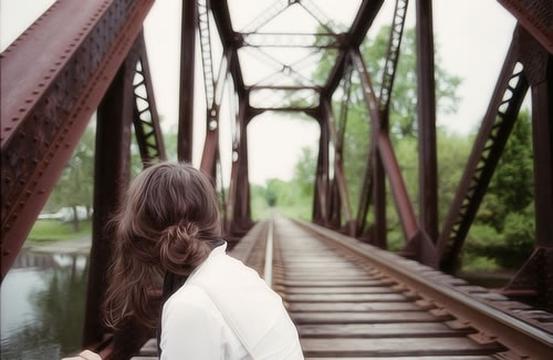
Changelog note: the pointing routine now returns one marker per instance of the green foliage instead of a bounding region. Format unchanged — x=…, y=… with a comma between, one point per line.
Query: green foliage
x=503, y=231
x=292, y=198
x=76, y=184
x=510, y=190
x=403, y=104
x=504, y=226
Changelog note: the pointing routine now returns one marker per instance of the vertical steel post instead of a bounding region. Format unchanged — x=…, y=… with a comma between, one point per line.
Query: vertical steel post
x=186, y=89
x=542, y=123
x=426, y=116
x=534, y=281
x=239, y=193
x=379, y=236
x=111, y=176
x=321, y=194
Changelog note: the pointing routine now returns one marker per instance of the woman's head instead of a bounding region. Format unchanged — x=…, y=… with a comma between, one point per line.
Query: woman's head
x=169, y=211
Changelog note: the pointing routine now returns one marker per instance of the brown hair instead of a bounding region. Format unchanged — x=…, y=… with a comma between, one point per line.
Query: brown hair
x=169, y=212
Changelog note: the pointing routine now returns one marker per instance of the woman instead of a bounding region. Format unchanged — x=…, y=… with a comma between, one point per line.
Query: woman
x=214, y=307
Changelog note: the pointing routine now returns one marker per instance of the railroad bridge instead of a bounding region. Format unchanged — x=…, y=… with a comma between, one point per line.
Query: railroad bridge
x=348, y=295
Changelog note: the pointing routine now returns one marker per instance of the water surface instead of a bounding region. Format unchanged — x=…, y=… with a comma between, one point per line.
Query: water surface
x=42, y=305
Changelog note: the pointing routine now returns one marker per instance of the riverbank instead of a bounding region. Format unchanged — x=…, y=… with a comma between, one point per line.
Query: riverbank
x=78, y=246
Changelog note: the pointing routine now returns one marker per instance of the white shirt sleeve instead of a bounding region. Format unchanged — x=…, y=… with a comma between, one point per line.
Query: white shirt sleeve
x=190, y=330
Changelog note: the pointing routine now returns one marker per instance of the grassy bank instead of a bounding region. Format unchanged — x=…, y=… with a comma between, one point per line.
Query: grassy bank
x=54, y=230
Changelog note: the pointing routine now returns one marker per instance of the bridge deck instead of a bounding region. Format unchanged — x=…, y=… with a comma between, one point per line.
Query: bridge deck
x=347, y=305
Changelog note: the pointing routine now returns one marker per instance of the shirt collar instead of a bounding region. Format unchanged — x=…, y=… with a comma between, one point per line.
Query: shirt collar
x=218, y=250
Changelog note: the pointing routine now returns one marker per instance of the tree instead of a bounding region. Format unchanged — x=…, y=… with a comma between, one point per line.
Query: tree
x=76, y=183
x=403, y=110
x=511, y=188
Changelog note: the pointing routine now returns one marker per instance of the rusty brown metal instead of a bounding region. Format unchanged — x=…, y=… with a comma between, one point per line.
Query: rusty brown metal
x=46, y=109
x=239, y=208
x=426, y=120
x=230, y=40
x=146, y=119
x=374, y=183
x=535, y=278
x=488, y=146
x=536, y=16
x=189, y=23
x=352, y=40
x=418, y=244
x=111, y=177
x=403, y=204
x=392, y=55
x=321, y=190
x=292, y=40
x=211, y=144
x=341, y=192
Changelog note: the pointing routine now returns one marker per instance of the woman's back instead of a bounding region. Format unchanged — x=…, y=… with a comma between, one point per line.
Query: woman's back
x=226, y=311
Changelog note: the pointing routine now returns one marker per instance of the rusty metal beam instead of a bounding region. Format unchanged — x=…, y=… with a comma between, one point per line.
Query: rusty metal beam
x=322, y=191
x=535, y=278
x=488, y=146
x=283, y=87
x=308, y=110
x=536, y=16
x=392, y=55
x=189, y=23
x=403, y=204
x=292, y=40
x=426, y=119
x=230, y=40
x=352, y=40
x=339, y=182
x=542, y=118
x=239, y=208
x=374, y=182
x=146, y=119
x=46, y=106
x=211, y=144
x=418, y=244
x=111, y=177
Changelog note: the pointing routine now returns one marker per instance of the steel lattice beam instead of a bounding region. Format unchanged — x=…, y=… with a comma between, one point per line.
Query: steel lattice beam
x=45, y=109
x=146, y=120
x=489, y=144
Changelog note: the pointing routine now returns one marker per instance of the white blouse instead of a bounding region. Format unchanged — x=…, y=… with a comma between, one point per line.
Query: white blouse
x=226, y=311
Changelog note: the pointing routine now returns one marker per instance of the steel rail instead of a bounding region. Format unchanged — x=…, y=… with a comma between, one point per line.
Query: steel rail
x=269, y=249
x=527, y=340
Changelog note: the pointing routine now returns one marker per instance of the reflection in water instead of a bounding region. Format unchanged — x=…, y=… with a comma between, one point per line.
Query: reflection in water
x=43, y=299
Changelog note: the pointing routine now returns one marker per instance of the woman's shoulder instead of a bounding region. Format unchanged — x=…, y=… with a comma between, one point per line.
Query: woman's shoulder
x=190, y=301
x=187, y=294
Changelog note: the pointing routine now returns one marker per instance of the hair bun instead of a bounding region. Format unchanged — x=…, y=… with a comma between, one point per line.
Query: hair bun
x=180, y=247
x=181, y=230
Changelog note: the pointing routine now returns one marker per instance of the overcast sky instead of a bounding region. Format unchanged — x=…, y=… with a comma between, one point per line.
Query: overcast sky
x=472, y=37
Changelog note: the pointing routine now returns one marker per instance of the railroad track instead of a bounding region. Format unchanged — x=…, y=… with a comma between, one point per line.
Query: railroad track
x=350, y=300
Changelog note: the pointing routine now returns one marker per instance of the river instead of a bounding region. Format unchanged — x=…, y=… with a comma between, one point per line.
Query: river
x=42, y=305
